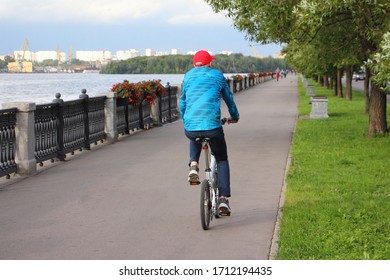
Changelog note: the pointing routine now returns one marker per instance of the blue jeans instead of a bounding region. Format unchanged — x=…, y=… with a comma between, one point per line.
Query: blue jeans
x=218, y=149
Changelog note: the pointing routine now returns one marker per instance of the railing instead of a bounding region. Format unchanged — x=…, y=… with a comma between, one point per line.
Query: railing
x=7, y=141
x=168, y=104
x=63, y=127
x=47, y=127
x=31, y=134
x=132, y=118
x=53, y=130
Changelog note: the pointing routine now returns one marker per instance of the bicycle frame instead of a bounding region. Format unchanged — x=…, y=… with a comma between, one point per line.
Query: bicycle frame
x=211, y=177
x=209, y=186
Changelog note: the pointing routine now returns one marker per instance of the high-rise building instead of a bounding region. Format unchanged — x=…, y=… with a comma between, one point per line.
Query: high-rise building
x=23, y=55
x=150, y=52
x=175, y=51
x=45, y=55
x=94, y=56
x=127, y=54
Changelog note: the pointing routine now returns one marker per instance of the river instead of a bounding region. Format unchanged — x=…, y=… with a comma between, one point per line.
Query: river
x=41, y=87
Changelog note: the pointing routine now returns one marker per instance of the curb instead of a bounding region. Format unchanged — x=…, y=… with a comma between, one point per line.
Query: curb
x=275, y=237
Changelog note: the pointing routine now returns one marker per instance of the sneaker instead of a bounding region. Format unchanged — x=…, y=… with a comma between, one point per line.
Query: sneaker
x=224, y=208
x=193, y=176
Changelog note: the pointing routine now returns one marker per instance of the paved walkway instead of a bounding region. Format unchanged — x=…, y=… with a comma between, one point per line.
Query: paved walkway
x=131, y=200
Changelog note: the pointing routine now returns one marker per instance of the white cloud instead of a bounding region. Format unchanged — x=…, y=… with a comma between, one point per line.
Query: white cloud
x=175, y=12
x=205, y=18
x=106, y=11
x=196, y=12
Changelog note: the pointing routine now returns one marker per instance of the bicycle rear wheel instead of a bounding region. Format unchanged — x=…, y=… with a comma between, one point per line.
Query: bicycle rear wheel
x=216, y=194
x=205, y=204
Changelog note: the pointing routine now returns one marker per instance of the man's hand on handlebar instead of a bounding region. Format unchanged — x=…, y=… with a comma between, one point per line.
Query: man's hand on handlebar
x=229, y=121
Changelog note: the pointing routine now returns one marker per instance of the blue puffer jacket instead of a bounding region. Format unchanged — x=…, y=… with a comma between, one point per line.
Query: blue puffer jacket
x=200, y=100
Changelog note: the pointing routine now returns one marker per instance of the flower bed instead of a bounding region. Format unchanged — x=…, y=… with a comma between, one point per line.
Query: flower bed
x=237, y=78
x=136, y=93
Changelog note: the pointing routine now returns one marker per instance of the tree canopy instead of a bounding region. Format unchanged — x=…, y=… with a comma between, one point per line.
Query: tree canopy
x=179, y=64
x=322, y=37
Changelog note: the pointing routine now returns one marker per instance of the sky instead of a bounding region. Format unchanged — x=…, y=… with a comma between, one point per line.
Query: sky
x=161, y=25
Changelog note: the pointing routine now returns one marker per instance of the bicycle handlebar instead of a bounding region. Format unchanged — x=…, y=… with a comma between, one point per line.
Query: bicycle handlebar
x=228, y=121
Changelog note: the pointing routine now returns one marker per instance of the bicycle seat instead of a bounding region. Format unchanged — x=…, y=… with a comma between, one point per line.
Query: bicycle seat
x=202, y=139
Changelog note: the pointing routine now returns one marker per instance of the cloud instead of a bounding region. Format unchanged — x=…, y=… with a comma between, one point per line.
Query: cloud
x=99, y=11
x=173, y=12
x=199, y=19
x=196, y=12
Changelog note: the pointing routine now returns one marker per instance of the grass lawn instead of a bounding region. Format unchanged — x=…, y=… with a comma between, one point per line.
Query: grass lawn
x=338, y=186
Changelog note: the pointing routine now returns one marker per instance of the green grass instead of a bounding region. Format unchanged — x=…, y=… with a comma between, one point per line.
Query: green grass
x=338, y=186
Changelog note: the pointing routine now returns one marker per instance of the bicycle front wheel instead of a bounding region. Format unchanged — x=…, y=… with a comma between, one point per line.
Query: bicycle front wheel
x=205, y=204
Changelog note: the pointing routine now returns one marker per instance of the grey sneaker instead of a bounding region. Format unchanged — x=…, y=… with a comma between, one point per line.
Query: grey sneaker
x=193, y=176
x=224, y=208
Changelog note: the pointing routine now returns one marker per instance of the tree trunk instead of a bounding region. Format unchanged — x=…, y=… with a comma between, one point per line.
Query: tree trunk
x=377, y=124
x=339, y=83
x=367, y=91
x=321, y=80
x=326, y=82
x=331, y=84
x=348, y=90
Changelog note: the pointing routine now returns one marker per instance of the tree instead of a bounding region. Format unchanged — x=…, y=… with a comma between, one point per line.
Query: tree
x=349, y=31
x=4, y=63
x=379, y=64
x=363, y=24
x=180, y=64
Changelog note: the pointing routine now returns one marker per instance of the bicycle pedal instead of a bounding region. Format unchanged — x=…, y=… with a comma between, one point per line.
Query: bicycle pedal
x=194, y=183
x=221, y=213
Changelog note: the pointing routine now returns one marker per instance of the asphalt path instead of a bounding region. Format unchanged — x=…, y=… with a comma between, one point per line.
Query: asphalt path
x=359, y=85
x=130, y=200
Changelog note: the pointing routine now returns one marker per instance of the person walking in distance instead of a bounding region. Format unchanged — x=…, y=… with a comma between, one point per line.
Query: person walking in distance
x=277, y=71
x=200, y=101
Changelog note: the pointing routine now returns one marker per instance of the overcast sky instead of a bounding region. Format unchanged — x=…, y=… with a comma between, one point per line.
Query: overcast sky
x=162, y=25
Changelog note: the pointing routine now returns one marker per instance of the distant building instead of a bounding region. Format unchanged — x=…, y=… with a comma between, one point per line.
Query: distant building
x=94, y=56
x=20, y=67
x=279, y=55
x=127, y=54
x=24, y=55
x=175, y=51
x=226, y=52
x=4, y=56
x=194, y=52
x=160, y=53
x=45, y=55
x=150, y=52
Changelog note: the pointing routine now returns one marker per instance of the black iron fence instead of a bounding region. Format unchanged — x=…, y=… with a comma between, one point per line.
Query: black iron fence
x=53, y=130
x=168, y=105
x=7, y=141
x=63, y=127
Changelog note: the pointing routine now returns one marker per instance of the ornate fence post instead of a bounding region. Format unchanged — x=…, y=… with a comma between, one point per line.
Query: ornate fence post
x=155, y=109
x=111, y=119
x=60, y=127
x=168, y=87
x=230, y=84
x=140, y=111
x=25, y=137
x=85, y=98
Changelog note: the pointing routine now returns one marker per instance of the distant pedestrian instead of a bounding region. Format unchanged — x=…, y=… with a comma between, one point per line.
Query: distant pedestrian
x=277, y=71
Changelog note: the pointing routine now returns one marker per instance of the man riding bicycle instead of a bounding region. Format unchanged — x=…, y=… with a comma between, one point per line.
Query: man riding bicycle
x=200, y=103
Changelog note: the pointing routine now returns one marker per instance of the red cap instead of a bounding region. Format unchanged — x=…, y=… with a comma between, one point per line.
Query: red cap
x=202, y=58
